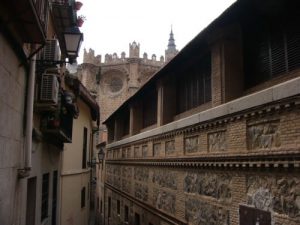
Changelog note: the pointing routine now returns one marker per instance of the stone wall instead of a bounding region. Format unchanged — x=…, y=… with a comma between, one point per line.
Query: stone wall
x=12, y=92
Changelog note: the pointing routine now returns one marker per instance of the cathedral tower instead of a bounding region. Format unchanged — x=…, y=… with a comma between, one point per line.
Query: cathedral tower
x=171, y=51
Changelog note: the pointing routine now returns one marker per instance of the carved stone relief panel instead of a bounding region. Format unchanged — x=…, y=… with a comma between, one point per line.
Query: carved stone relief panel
x=126, y=185
x=137, y=152
x=144, y=150
x=213, y=185
x=141, y=173
x=170, y=147
x=109, y=179
x=124, y=153
x=156, y=149
x=127, y=172
x=109, y=169
x=141, y=191
x=117, y=181
x=278, y=194
x=208, y=215
x=265, y=135
x=128, y=152
x=165, y=179
x=216, y=141
x=191, y=144
x=164, y=201
x=117, y=170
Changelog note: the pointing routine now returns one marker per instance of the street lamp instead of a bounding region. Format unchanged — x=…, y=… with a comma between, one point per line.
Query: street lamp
x=73, y=39
x=101, y=155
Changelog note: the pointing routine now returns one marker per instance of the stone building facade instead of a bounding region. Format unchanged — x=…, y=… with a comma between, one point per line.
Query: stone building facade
x=217, y=142
x=119, y=77
x=36, y=109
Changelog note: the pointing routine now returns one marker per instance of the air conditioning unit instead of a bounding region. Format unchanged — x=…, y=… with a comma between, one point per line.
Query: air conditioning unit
x=51, y=51
x=49, y=88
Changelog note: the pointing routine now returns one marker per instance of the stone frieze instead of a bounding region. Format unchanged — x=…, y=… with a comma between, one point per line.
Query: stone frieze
x=202, y=213
x=278, y=194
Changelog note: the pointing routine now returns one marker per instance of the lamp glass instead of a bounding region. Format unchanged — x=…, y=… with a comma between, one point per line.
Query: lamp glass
x=101, y=155
x=73, y=42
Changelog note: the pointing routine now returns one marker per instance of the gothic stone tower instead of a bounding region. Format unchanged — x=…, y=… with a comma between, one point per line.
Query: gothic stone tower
x=116, y=79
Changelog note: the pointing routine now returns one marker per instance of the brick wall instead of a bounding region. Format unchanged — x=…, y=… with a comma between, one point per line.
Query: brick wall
x=215, y=167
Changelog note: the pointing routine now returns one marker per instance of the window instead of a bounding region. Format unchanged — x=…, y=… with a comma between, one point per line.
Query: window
x=194, y=88
x=45, y=196
x=150, y=109
x=118, y=207
x=136, y=219
x=83, y=197
x=109, y=207
x=126, y=213
x=54, y=197
x=88, y=194
x=270, y=49
x=126, y=120
x=101, y=207
x=31, y=201
x=84, y=150
x=111, y=130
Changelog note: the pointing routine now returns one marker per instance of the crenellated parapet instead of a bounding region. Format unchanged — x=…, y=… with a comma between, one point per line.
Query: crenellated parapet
x=115, y=59
x=90, y=58
x=153, y=60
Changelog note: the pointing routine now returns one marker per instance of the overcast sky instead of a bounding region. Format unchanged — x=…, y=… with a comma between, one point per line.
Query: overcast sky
x=112, y=24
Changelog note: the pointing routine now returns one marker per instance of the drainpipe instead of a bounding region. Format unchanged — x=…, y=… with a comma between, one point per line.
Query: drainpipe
x=24, y=172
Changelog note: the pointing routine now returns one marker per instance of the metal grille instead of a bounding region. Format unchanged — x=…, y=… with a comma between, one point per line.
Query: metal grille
x=270, y=50
x=194, y=88
x=49, y=88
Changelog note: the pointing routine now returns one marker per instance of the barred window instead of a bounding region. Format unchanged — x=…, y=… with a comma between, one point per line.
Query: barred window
x=45, y=196
x=150, y=108
x=270, y=49
x=194, y=85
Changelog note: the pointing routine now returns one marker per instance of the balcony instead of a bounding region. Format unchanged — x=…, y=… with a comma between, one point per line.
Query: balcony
x=27, y=19
x=57, y=125
x=64, y=17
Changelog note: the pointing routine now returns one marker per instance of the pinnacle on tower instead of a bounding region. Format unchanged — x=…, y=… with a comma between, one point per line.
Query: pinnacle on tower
x=171, y=44
x=171, y=50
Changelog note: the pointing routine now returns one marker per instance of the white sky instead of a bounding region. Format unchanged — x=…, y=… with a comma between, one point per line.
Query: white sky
x=112, y=24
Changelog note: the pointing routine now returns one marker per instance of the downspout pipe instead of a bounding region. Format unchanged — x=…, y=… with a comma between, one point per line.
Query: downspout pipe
x=24, y=172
